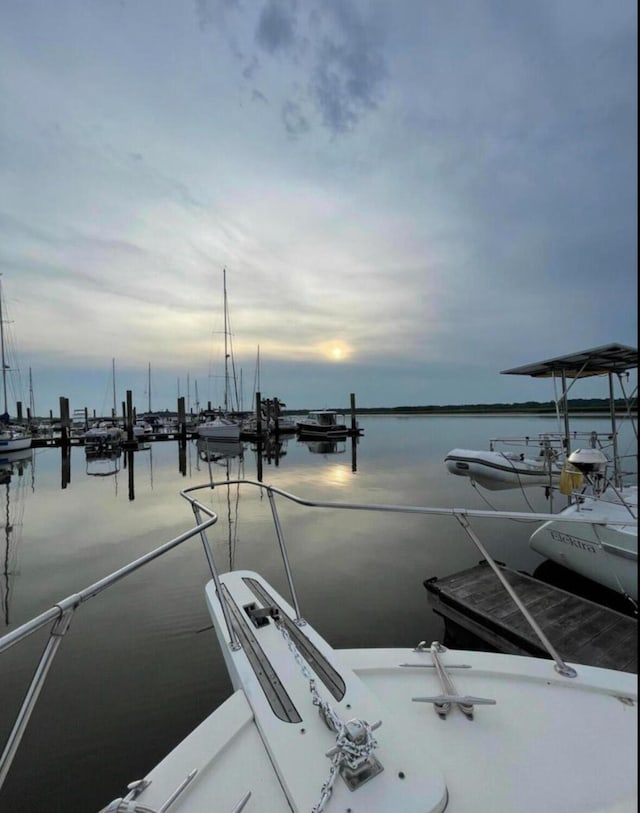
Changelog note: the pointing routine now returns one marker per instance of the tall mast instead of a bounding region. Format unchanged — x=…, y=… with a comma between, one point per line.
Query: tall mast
x=4, y=362
x=226, y=350
x=113, y=374
x=149, y=386
x=32, y=402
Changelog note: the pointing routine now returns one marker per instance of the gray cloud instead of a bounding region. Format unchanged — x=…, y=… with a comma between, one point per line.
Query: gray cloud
x=294, y=121
x=276, y=29
x=349, y=70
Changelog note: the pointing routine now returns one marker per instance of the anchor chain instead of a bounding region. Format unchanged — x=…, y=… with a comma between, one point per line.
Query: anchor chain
x=355, y=742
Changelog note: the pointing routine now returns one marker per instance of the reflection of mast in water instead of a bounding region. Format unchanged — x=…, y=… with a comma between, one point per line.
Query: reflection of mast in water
x=222, y=453
x=10, y=465
x=232, y=516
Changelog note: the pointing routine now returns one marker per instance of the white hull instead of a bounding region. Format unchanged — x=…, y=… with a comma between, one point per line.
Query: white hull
x=535, y=750
x=219, y=429
x=102, y=434
x=605, y=554
x=14, y=442
x=499, y=471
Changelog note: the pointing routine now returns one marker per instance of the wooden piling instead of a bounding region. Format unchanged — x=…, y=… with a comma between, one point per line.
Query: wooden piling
x=182, y=418
x=129, y=416
x=259, y=414
x=64, y=421
x=354, y=423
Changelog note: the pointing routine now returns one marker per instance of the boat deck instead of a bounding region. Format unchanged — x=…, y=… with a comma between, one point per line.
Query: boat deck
x=582, y=631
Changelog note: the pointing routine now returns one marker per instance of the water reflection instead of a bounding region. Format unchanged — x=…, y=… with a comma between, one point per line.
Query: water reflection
x=107, y=462
x=102, y=463
x=325, y=446
x=225, y=460
x=14, y=480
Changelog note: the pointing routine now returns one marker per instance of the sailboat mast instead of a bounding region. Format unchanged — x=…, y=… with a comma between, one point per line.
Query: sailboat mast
x=226, y=339
x=4, y=362
x=149, y=386
x=32, y=402
x=113, y=375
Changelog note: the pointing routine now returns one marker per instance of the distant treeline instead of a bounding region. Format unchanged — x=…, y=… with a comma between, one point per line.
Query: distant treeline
x=537, y=407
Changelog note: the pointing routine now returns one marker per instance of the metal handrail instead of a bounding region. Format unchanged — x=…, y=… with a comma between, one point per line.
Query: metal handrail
x=462, y=515
x=61, y=614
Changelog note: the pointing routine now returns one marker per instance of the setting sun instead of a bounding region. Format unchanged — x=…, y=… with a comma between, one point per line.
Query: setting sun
x=336, y=353
x=334, y=350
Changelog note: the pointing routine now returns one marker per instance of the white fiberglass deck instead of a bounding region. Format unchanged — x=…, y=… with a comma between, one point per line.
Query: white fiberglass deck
x=550, y=743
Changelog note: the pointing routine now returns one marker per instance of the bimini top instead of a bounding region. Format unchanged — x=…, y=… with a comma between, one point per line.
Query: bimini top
x=609, y=358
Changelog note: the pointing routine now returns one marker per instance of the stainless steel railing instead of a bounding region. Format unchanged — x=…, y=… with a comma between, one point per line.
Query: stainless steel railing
x=462, y=515
x=60, y=615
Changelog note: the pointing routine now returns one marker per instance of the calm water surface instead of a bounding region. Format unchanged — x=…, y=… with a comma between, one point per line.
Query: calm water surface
x=140, y=665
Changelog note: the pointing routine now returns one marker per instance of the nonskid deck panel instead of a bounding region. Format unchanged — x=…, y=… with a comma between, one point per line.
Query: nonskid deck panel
x=277, y=696
x=320, y=665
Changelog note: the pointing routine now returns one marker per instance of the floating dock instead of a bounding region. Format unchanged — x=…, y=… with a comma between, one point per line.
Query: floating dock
x=582, y=631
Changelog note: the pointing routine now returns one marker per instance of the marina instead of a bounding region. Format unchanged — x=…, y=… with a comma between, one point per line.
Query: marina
x=117, y=727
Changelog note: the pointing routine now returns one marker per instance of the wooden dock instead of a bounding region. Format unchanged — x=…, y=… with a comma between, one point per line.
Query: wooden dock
x=582, y=631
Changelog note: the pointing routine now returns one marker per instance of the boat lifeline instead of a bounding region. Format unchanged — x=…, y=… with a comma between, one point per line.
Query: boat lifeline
x=589, y=468
x=312, y=728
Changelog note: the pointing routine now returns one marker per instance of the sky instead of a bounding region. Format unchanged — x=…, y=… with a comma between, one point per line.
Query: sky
x=407, y=197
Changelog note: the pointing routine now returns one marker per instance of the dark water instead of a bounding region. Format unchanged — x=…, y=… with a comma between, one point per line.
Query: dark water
x=140, y=665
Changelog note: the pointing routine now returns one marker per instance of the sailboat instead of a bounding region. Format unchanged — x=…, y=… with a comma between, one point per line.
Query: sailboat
x=221, y=426
x=12, y=438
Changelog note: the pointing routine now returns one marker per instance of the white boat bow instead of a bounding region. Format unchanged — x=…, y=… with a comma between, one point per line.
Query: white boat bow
x=311, y=728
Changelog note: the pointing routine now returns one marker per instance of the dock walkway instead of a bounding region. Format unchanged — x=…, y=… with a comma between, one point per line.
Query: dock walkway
x=580, y=630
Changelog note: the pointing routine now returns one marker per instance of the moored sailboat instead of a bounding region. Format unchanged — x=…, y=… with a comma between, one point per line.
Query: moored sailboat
x=13, y=438
x=222, y=426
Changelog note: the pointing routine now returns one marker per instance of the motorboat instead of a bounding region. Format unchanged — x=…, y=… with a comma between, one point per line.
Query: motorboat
x=322, y=423
x=606, y=554
x=589, y=469
x=142, y=429
x=309, y=727
x=103, y=433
